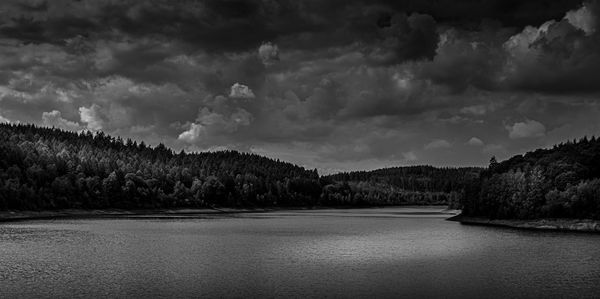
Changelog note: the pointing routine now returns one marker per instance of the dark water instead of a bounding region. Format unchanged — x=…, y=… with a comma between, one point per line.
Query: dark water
x=349, y=253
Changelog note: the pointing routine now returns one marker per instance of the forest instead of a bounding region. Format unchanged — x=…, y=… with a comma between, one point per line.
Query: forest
x=418, y=184
x=48, y=168
x=561, y=182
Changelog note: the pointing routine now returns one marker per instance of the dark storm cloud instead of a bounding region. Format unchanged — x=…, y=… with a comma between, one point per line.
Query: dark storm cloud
x=469, y=13
x=242, y=24
x=318, y=82
x=558, y=56
x=465, y=59
x=405, y=38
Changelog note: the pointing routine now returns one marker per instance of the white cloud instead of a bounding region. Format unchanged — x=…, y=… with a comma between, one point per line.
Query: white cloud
x=55, y=119
x=583, y=19
x=240, y=91
x=526, y=129
x=4, y=119
x=268, y=53
x=211, y=126
x=92, y=116
x=521, y=48
x=438, y=143
x=193, y=134
x=474, y=141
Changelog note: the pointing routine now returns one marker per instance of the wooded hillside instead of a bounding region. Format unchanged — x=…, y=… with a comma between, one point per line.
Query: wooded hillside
x=45, y=168
x=563, y=181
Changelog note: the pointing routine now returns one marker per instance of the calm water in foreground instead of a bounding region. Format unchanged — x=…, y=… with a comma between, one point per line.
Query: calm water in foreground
x=390, y=252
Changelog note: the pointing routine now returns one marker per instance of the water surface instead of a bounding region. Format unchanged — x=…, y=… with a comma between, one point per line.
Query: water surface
x=392, y=252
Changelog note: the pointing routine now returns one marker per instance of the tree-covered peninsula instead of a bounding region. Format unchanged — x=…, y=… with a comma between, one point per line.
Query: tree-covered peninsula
x=560, y=182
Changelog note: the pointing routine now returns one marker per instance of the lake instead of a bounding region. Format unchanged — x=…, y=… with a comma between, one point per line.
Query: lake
x=363, y=253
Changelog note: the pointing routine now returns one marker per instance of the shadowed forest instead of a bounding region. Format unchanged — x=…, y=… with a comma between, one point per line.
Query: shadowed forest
x=562, y=182
x=44, y=168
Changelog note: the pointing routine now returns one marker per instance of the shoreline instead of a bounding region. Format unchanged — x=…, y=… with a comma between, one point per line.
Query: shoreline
x=546, y=224
x=15, y=216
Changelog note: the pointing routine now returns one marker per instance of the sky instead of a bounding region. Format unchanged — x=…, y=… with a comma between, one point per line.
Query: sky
x=334, y=85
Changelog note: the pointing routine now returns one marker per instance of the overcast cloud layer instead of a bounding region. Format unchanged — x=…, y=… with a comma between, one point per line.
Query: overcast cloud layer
x=333, y=85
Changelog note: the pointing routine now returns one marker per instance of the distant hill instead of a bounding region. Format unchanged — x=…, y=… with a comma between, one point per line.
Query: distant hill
x=416, y=184
x=560, y=182
x=47, y=168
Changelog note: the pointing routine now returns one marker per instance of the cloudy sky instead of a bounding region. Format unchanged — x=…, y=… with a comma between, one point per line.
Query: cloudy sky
x=332, y=85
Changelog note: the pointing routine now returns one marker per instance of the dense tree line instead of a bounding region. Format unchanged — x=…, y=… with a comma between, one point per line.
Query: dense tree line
x=563, y=181
x=43, y=168
x=47, y=168
x=409, y=185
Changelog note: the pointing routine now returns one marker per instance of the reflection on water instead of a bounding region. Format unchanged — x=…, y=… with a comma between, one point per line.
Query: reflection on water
x=360, y=253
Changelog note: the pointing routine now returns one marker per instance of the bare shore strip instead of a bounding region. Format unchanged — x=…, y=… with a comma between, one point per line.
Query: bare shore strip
x=12, y=216
x=559, y=224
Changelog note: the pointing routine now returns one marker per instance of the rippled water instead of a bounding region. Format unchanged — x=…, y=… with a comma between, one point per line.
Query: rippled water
x=394, y=252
